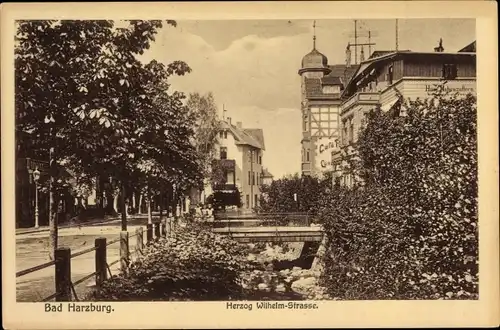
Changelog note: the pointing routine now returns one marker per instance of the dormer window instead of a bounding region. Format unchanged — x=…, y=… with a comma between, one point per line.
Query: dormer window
x=331, y=89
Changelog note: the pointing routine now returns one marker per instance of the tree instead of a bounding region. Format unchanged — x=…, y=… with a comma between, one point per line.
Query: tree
x=80, y=86
x=280, y=194
x=206, y=129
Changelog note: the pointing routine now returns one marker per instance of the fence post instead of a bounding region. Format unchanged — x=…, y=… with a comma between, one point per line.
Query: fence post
x=149, y=232
x=63, y=274
x=100, y=261
x=140, y=239
x=157, y=229
x=168, y=226
x=163, y=230
x=124, y=255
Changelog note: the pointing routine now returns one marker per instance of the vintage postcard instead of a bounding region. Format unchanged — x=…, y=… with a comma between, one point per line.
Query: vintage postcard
x=249, y=165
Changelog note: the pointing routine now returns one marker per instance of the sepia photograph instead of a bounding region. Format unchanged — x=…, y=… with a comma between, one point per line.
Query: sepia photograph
x=264, y=164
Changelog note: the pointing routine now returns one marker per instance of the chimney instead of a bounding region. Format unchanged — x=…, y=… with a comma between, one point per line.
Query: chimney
x=439, y=49
x=239, y=125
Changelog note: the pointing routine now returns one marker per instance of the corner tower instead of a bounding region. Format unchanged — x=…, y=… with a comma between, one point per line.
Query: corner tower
x=314, y=66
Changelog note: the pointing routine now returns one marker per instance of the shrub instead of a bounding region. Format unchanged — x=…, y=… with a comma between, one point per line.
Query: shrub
x=411, y=231
x=195, y=264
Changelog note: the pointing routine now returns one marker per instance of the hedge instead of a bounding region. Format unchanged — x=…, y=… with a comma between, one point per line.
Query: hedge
x=410, y=232
x=195, y=264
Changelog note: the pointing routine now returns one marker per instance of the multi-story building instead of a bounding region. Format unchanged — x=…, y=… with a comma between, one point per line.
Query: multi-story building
x=240, y=158
x=267, y=177
x=322, y=85
x=383, y=80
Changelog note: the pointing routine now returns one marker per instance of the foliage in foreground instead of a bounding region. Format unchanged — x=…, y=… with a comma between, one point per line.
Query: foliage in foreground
x=411, y=231
x=279, y=195
x=194, y=264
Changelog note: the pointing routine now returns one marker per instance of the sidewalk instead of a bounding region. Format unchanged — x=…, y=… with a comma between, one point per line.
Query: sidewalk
x=89, y=223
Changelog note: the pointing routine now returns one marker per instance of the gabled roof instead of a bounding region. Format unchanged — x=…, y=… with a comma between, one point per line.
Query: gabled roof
x=379, y=53
x=266, y=173
x=470, y=48
x=340, y=75
x=331, y=80
x=251, y=136
x=343, y=71
x=257, y=134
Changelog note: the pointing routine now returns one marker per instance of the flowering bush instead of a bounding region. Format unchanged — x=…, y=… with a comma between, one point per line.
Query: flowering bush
x=411, y=231
x=193, y=264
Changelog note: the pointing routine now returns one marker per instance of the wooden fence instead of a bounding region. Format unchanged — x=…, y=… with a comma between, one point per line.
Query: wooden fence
x=65, y=288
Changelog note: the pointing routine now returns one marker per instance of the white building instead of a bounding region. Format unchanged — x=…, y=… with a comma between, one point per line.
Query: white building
x=240, y=157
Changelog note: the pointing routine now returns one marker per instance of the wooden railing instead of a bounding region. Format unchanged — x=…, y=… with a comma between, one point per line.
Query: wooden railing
x=65, y=288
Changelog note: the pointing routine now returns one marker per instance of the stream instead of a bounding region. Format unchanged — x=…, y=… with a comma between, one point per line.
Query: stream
x=281, y=274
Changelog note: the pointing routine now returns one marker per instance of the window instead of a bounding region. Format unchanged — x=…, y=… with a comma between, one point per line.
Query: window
x=344, y=137
x=255, y=200
x=390, y=75
x=249, y=178
x=221, y=134
x=260, y=160
x=230, y=177
x=253, y=178
x=305, y=127
x=248, y=201
x=223, y=152
x=351, y=130
x=449, y=71
x=307, y=155
x=225, y=134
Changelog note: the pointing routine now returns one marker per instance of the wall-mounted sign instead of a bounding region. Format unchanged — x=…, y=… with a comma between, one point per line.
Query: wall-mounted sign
x=324, y=149
x=451, y=89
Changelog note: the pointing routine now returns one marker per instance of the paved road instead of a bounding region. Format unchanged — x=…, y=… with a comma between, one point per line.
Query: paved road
x=31, y=250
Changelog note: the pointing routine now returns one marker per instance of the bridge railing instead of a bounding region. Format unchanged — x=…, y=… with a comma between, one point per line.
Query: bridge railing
x=292, y=219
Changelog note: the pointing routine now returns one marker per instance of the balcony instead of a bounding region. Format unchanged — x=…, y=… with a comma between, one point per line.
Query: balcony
x=225, y=164
x=224, y=187
x=362, y=98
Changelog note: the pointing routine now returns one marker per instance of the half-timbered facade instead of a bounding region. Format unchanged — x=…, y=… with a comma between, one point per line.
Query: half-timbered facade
x=322, y=86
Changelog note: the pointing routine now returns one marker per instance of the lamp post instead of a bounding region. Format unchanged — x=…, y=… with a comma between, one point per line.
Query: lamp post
x=36, y=177
x=250, y=153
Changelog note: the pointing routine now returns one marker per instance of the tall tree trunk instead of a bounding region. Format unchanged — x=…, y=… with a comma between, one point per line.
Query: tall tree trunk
x=139, y=211
x=53, y=204
x=110, y=209
x=161, y=203
x=134, y=201
x=124, y=207
x=100, y=195
x=150, y=214
x=115, y=202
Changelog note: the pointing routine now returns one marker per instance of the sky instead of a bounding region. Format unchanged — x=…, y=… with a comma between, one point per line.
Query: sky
x=251, y=66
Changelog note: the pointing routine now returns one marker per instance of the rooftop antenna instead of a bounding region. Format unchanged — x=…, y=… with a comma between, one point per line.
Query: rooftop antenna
x=397, y=41
x=314, y=34
x=355, y=42
x=369, y=43
x=356, y=35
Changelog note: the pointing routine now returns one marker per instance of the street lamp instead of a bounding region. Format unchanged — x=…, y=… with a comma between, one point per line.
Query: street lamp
x=36, y=177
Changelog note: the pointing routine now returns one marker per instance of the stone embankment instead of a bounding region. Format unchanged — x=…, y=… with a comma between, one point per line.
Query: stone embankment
x=293, y=282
